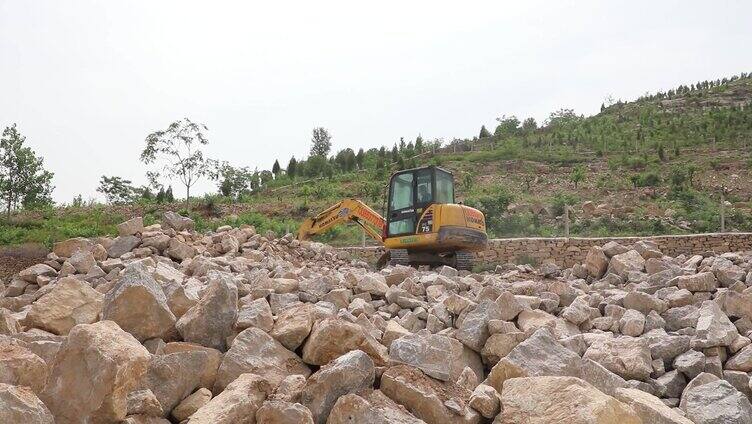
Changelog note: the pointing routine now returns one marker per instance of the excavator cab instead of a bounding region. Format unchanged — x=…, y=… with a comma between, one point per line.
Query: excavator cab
x=423, y=224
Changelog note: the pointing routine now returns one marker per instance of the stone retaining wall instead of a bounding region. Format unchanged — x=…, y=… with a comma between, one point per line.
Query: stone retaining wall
x=568, y=251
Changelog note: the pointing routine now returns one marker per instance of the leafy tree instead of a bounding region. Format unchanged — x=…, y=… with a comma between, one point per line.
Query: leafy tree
x=419, y=144
x=232, y=181
x=116, y=190
x=508, y=126
x=395, y=154
x=276, y=169
x=316, y=166
x=177, y=148
x=23, y=179
x=484, y=132
x=169, y=197
x=529, y=125
x=321, y=142
x=360, y=158
x=577, y=175
x=292, y=167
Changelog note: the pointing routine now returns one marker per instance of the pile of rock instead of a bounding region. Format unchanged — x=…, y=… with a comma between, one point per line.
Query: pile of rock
x=162, y=324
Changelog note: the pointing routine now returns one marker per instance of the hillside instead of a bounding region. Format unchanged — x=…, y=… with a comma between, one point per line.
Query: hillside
x=656, y=165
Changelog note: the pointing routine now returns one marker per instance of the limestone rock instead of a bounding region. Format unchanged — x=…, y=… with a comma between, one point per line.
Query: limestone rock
x=350, y=373
x=257, y=314
x=713, y=327
x=371, y=408
x=649, y=408
x=440, y=357
x=210, y=321
x=191, y=404
x=596, y=262
x=702, y=282
x=473, y=324
x=95, y=369
x=293, y=325
x=627, y=357
x=716, y=402
x=254, y=351
x=543, y=400
x=624, y=263
x=70, y=302
x=486, y=400
x=21, y=405
x=31, y=273
x=333, y=337
x=21, y=367
x=177, y=222
x=131, y=227
x=281, y=412
x=122, y=245
x=237, y=404
x=66, y=249
x=139, y=306
x=174, y=376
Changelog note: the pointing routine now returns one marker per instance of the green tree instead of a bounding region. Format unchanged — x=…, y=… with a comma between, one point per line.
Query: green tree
x=508, y=126
x=577, y=175
x=23, y=179
x=177, y=150
x=232, y=181
x=484, y=132
x=419, y=144
x=529, y=125
x=292, y=167
x=321, y=142
x=360, y=158
x=276, y=169
x=116, y=190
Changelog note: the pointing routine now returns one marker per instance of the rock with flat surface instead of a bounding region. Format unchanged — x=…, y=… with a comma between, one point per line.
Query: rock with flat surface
x=19, y=366
x=131, y=227
x=716, y=402
x=350, y=373
x=66, y=249
x=21, y=405
x=426, y=398
x=713, y=327
x=237, y=404
x=281, y=412
x=741, y=361
x=122, y=245
x=255, y=351
x=31, y=273
x=139, y=306
x=596, y=262
x=628, y=357
x=95, y=369
x=370, y=408
x=472, y=329
x=624, y=263
x=333, y=337
x=438, y=356
x=210, y=321
x=174, y=376
x=649, y=408
x=191, y=404
x=256, y=313
x=294, y=325
x=70, y=302
x=546, y=400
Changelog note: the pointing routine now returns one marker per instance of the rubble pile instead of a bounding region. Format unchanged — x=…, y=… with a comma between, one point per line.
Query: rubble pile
x=163, y=324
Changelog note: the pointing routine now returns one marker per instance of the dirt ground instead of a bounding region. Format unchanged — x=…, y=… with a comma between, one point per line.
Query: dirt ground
x=10, y=265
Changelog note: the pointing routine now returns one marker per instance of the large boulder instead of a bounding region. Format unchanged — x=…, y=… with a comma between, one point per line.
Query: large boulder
x=21, y=367
x=702, y=282
x=545, y=400
x=628, y=357
x=122, y=245
x=282, y=412
x=293, y=325
x=210, y=365
x=172, y=377
x=472, y=325
x=31, y=273
x=256, y=313
x=191, y=404
x=650, y=408
x=624, y=263
x=350, y=373
x=716, y=402
x=713, y=327
x=237, y=404
x=371, y=408
x=539, y=355
x=66, y=249
x=70, y=302
x=21, y=405
x=131, y=227
x=253, y=350
x=426, y=398
x=596, y=262
x=139, y=306
x=177, y=222
x=333, y=337
x=95, y=369
x=440, y=357
x=210, y=321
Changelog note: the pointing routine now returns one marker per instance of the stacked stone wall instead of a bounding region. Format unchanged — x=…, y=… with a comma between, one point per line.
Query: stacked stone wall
x=566, y=252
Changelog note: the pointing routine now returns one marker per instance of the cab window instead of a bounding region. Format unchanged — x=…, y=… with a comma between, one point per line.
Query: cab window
x=402, y=192
x=425, y=186
x=444, y=187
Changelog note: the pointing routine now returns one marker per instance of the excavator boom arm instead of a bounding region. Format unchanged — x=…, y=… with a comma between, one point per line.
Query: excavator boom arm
x=346, y=210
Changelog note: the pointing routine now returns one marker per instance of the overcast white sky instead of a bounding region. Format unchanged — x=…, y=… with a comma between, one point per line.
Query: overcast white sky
x=86, y=81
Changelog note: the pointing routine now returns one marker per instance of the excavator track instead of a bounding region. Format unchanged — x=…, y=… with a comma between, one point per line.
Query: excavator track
x=463, y=260
x=399, y=257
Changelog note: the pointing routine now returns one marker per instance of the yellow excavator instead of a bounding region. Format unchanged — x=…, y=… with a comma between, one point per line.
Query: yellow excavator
x=423, y=224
